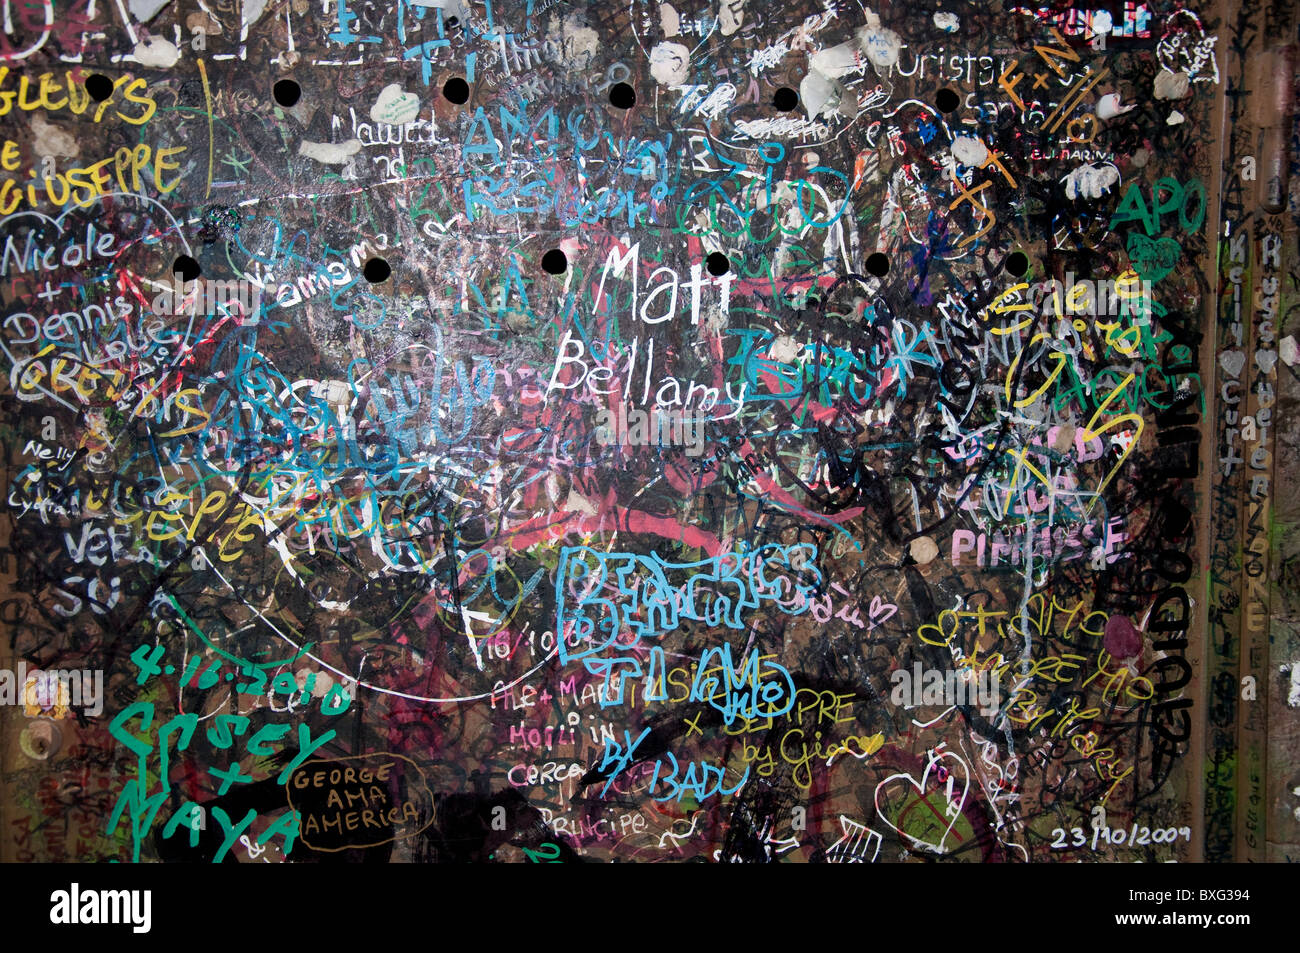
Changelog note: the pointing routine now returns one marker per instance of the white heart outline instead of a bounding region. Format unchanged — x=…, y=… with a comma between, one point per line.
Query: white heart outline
x=920, y=788
x=58, y=223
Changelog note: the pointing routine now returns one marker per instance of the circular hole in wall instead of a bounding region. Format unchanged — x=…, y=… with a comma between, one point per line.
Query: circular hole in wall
x=555, y=262
x=287, y=92
x=785, y=99
x=1017, y=263
x=99, y=87
x=186, y=267
x=376, y=270
x=456, y=90
x=622, y=95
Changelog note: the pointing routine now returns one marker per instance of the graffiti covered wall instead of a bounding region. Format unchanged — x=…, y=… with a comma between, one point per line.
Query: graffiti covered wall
x=562, y=431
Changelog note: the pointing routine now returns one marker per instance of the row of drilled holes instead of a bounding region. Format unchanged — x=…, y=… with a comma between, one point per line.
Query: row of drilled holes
x=376, y=270
x=555, y=262
x=287, y=92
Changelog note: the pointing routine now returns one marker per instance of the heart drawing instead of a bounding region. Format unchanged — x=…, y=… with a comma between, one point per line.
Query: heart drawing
x=1153, y=259
x=925, y=812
